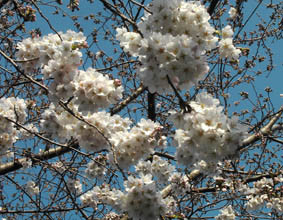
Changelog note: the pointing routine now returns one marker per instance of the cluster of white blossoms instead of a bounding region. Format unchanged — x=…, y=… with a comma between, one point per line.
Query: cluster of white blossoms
x=94, y=90
x=102, y=194
x=159, y=168
x=233, y=13
x=59, y=167
x=52, y=52
x=172, y=40
x=15, y=110
x=74, y=186
x=206, y=135
x=180, y=184
x=103, y=132
x=60, y=124
x=262, y=193
x=96, y=168
x=141, y=200
x=111, y=216
x=226, y=47
x=26, y=163
x=139, y=142
x=31, y=188
x=57, y=123
x=226, y=213
x=59, y=59
x=96, y=138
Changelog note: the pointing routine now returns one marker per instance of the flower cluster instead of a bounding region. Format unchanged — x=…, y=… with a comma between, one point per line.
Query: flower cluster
x=13, y=109
x=95, y=138
x=226, y=213
x=102, y=194
x=173, y=42
x=89, y=200
x=26, y=163
x=158, y=168
x=179, y=184
x=103, y=131
x=111, y=216
x=94, y=90
x=31, y=188
x=130, y=146
x=233, y=13
x=74, y=186
x=263, y=192
x=226, y=47
x=58, y=123
x=96, y=168
x=59, y=167
x=59, y=57
x=52, y=52
x=142, y=201
x=206, y=135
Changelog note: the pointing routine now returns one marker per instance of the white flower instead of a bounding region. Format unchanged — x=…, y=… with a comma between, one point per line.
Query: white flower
x=59, y=60
x=227, y=32
x=31, y=188
x=13, y=109
x=97, y=167
x=102, y=194
x=233, y=13
x=139, y=142
x=179, y=184
x=93, y=90
x=226, y=213
x=59, y=167
x=174, y=34
x=88, y=199
x=227, y=49
x=158, y=168
x=205, y=135
x=74, y=186
x=142, y=201
x=26, y=163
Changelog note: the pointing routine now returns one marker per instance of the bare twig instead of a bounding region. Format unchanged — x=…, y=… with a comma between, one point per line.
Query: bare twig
x=22, y=72
x=46, y=19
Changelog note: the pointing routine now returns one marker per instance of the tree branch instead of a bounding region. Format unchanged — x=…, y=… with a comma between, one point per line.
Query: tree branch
x=46, y=155
x=151, y=106
x=266, y=130
x=212, y=6
x=22, y=72
x=129, y=99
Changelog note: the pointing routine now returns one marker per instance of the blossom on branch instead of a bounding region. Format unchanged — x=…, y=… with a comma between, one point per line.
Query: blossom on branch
x=205, y=136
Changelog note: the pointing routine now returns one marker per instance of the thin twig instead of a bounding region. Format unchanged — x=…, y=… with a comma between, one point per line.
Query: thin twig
x=22, y=72
x=46, y=19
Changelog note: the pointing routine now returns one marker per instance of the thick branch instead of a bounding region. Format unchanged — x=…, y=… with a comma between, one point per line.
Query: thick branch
x=151, y=106
x=125, y=102
x=212, y=7
x=46, y=155
x=266, y=130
